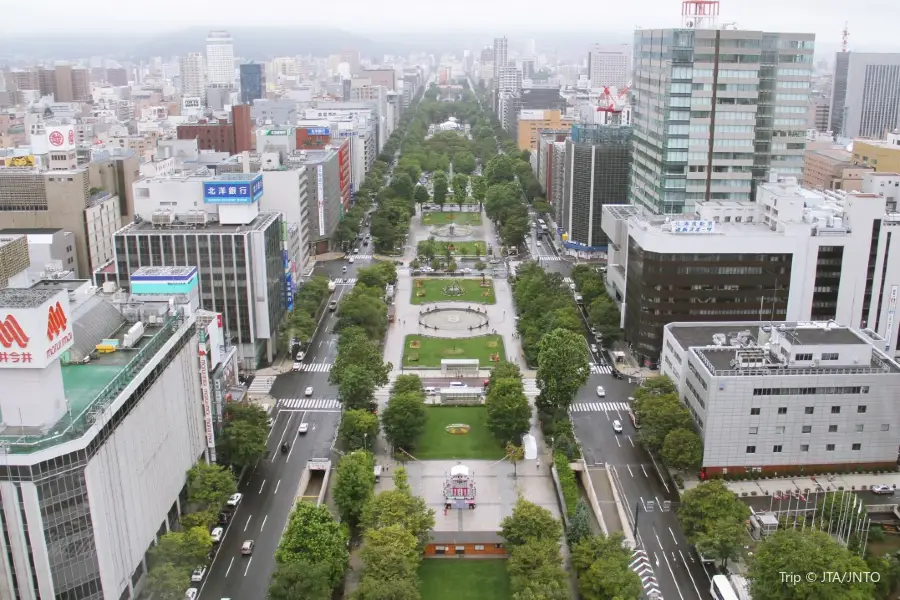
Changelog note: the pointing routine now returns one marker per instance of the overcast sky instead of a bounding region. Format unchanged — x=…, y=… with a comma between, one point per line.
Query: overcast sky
x=873, y=23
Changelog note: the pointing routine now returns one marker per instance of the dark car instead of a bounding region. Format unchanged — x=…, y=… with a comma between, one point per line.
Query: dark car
x=224, y=518
x=616, y=374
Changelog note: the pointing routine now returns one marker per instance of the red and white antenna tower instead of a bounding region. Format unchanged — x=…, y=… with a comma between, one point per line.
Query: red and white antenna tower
x=698, y=14
x=845, y=33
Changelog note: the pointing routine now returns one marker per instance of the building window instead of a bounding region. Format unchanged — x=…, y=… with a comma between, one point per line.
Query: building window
x=776, y=448
x=807, y=429
x=754, y=430
x=809, y=410
x=832, y=429
x=885, y=427
x=804, y=447
x=859, y=427
x=829, y=356
x=479, y=547
x=803, y=357
x=780, y=429
x=835, y=410
x=861, y=408
x=751, y=449
x=856, y=447
x=754, y=411
x=829, y=447
x=782, y=410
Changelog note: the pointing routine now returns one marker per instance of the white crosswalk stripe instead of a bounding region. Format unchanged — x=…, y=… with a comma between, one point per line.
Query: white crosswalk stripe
x=310, y=403
x=600, y=369
x=547, y=258
x=362, y=257
x=345, y=280
x=530, y=387
x=640, y=564
x=261, y=386
x=567, y=280
x=599, y=407
x=315, y=367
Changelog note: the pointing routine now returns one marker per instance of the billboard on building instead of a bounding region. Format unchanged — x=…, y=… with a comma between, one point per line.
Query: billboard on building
x=320, y=195
x=206, y=394
x=233, y=191
x=18, y=161
x=32, y=338
x=693, y=226
x=318, y=131
x=61, y=137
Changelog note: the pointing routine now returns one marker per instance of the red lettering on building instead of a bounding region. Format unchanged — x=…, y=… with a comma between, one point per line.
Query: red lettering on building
x=11, y=333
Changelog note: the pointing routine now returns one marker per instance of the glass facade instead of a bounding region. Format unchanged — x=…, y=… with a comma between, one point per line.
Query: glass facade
x=253, y=82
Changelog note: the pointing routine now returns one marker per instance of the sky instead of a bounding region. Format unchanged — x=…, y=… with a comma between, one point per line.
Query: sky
x=872, y=23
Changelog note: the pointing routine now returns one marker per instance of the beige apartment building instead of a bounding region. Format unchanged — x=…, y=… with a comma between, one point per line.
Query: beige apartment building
x=832, y=169
x=881, y=155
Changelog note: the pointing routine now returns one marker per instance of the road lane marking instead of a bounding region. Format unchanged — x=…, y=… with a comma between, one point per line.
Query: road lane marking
x=281, y=440
x=643, y=504
x=247, y=524
x=276, y=486
x=291, y=451
x=644, y=469
x=658, y=472
x=658, y=503
x=618, y=442
x=262, y=486
x=629, y=470
x=251, y=560
x=671, y=572
x=673, y=536
x=631, y=440
x=694, y=583
x=228, y=570
x=658, y=541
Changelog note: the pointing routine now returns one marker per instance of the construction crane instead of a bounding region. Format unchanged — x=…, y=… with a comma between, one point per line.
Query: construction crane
x=613, y=103
x=845, y=33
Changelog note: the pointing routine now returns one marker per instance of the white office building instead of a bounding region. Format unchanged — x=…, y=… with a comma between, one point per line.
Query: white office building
x=786, y=398
x=865, y=95
x=102, y=416
x=193, y=75
x=608, y=65
x=219, y=58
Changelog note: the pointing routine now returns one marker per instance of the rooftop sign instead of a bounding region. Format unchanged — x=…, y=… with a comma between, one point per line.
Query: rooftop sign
x=233, y=191
x=318, y=131
x=693, y=226
x=32, y=338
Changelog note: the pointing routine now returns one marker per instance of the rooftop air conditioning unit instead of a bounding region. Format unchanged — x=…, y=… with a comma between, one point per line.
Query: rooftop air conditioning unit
x=163, y=217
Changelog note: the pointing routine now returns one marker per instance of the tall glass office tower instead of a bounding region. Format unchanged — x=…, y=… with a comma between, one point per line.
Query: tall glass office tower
x=715, y=111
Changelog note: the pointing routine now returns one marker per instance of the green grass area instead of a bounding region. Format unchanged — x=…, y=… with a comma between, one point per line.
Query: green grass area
x=436, y=443
x=432, y=290
x=464, y=579
x=457, y=218
x=456, y=248
x=424, y=351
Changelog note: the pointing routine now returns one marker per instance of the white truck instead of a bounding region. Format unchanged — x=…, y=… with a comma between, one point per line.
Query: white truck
x=332, y=286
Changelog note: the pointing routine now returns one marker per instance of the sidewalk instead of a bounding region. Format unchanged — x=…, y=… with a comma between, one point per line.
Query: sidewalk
x=804, y=485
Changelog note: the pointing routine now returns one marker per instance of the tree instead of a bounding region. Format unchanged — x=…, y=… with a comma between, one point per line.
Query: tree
x=391, y=553
x=580, y=524
x=722, y=540
x=660, y=415
x=243, y=443
x=372, y=588
x=529, y=521
x=602, y=565
x=542, y=207
x=358, y=429
x=479, y=188
x=399, y=507
x=508, y=411
x=439, y=181
x=209, y=485
x=354, y=486
x=436, y=264
x=682, y=449
x=312, y=534
x=408, y=383
x=505, y=370
x=166, y=580
x=604, y=315
x=355, y=348
x=562, y=368
x=357, y=388
x=464, y=162
x=421, y=195
x=364, y=307
x=185, y=549
x=404, y=419
x=536, y=567
x=499, y=169
x=802, y=551
x=480, y=266
x=300, y=580
x=460, y=188
x=709, y=502
x=402, y=186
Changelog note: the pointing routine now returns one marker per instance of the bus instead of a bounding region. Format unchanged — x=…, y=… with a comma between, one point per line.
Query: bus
x=538, y=234
x=544, y=230
x=721, y=589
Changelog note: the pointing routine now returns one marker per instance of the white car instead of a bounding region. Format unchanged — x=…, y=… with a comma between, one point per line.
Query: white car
x=309, y=391
x=235, y=499
x=617, y=427
x=881, y=489
x=216, y=534
x=270, y=422
x=304, y=427
x=191, y=594
x=594, y=348
x=601, y=392
x=351, y=260
x=197, y=575
x=355, y=251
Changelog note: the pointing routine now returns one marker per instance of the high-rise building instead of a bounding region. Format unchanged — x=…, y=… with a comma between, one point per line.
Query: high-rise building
x=817, y=115
x=219, y=58
x=608, y=65
x=193, y=75
x=501, y=60
x=865, y=99
x=598, y=163
x=714, y=112
x=253, y=82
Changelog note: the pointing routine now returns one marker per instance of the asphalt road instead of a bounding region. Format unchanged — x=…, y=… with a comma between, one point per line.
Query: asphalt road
x=270, y=490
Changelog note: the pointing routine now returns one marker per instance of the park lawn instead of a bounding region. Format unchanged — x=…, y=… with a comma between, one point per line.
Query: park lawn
x=432, y=349
x=464, y=579
x=458, y=248
x=436, y=443
x=457, y=218
x=433, y=291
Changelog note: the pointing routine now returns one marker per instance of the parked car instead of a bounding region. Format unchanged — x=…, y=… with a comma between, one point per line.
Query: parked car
x=235, y=499
x=594, y=348
x=197, y=575
x=216, y=534
x=601, y=392
x=881, y=489
x=617, y=427
x=224, y=517
x=191, y=594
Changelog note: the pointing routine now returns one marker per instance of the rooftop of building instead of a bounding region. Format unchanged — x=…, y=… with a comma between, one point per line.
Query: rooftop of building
x=91, y=379
x=764, y=348
x=261, y=222
x=7, y=231
x=837, y=154
x=164, y=272
x=892, y=143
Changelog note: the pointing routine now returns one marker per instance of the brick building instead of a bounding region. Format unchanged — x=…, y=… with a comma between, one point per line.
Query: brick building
x=233, y=136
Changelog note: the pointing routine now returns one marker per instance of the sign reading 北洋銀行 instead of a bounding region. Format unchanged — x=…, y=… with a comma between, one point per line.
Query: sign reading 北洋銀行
x=228, y=191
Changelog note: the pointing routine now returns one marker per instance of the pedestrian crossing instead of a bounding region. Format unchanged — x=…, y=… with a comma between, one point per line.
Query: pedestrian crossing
x=530, y=387
x=309, y=403
x=568, y=280
x=315, y=367
x=345, y=281
x=599, y=407
x=640, y=564
x=546, y=258
x=601, y=369
x=362, y=256
x=261, y=386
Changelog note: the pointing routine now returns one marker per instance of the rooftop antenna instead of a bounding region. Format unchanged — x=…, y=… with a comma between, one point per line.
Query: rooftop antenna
x=845, y=33
x=699, y=14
